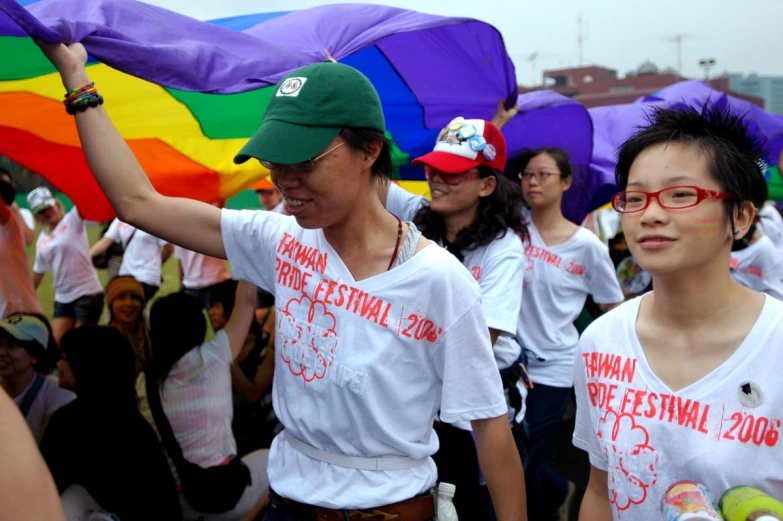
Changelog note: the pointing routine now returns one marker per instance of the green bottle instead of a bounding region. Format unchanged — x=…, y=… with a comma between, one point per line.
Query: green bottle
x=749, y=504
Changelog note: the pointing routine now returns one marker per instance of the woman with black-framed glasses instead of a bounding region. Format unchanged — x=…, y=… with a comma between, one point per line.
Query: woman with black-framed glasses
x=564, y=264
x=683, y=382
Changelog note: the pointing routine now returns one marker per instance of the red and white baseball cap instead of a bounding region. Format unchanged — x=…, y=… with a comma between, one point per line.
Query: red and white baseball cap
x=465, y=144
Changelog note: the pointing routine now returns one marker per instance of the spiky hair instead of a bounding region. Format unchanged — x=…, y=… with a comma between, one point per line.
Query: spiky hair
x=734, y=154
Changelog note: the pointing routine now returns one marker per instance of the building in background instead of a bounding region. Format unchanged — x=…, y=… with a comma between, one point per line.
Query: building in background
x=769, y=88
x=596, y=86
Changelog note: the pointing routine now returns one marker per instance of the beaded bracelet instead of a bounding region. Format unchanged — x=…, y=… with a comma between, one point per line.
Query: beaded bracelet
x=81, y=99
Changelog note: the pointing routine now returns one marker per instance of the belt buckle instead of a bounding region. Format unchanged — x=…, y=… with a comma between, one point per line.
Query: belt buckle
x=364, y=514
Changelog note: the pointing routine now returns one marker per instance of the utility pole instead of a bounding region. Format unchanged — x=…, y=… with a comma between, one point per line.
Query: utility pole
x=678, y=40
x=707, y=64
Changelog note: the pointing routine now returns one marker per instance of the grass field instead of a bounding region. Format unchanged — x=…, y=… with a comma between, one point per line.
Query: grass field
x=46, y=290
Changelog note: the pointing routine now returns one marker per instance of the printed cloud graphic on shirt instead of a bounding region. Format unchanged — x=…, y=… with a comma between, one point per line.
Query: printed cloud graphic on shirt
x=631, y=459
x=309, y=337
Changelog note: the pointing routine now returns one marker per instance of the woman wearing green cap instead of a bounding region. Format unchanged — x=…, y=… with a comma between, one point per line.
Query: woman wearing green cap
x=376, y=332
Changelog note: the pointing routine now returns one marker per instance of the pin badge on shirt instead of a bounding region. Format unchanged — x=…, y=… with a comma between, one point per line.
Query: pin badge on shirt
x=750, y=394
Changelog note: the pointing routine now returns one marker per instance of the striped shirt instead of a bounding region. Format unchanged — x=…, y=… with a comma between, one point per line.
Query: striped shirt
x=197, y=400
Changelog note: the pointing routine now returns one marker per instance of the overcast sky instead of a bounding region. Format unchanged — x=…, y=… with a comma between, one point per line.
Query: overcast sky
x=744, y=37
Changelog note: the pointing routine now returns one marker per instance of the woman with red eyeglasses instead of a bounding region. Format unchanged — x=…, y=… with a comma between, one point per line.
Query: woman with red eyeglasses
x=683, y=383
x=475, y=213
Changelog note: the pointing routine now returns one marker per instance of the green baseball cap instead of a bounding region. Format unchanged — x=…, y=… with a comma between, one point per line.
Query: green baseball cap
x=310, y=106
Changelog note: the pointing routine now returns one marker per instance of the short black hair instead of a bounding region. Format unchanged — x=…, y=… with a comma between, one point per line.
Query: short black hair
x=225, y=293
x=177, y=325
x=734, y=155
x=360, y=138
x=518, y=164
x=103, y=364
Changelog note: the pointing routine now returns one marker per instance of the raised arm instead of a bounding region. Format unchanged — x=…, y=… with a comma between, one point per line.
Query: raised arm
x=191, y=224
x=243, y=314
x=503, y=115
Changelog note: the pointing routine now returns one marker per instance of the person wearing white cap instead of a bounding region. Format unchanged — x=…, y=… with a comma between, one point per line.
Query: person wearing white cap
x=63, y=248
x=17, y=293
x=27, y=354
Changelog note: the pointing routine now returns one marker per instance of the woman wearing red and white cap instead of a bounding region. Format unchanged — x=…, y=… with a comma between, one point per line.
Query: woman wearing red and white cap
x=63, y=248
x=475, y=213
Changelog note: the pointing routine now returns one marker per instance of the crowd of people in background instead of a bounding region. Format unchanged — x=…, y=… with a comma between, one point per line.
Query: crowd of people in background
x=481, y=366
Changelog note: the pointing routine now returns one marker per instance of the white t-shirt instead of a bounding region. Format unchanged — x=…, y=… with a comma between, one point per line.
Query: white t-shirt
x=201, y=271
x=66, y=251
x=50, y=398
x=16, y=284
x=557, y=281
x=142, y=254
x=364, y=366
x=771, y=224
x=759, y=267
x=497, y=267
x=722, y=431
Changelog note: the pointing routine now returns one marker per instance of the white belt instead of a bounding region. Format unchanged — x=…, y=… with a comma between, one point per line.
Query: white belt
x=354, y=462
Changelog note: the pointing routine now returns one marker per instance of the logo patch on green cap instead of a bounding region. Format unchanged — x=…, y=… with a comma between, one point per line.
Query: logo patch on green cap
x=291, y=87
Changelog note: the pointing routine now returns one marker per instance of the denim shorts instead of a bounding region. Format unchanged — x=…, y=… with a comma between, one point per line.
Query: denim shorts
x=86, y=309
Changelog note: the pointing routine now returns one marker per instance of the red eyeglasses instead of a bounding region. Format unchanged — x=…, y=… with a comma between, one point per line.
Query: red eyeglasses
x=674, y=198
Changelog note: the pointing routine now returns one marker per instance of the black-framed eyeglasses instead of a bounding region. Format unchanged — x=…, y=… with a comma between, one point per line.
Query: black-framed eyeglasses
x=673, y=198
x=304, y=166
x=541, y=176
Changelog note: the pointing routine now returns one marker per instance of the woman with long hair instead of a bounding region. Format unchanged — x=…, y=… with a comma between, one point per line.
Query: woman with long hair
x=63, y=248
x=125, y=300
x=683, y=383
x=476, y=214
x=565, y=264
x=102, y=453
x=371, y=344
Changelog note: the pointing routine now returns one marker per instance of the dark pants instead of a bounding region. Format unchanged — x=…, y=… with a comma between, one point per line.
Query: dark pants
x=458, y=464
x=546, y=489
x=202, y=294
x=149, y=291
x=85, y=309
x=278, y=510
